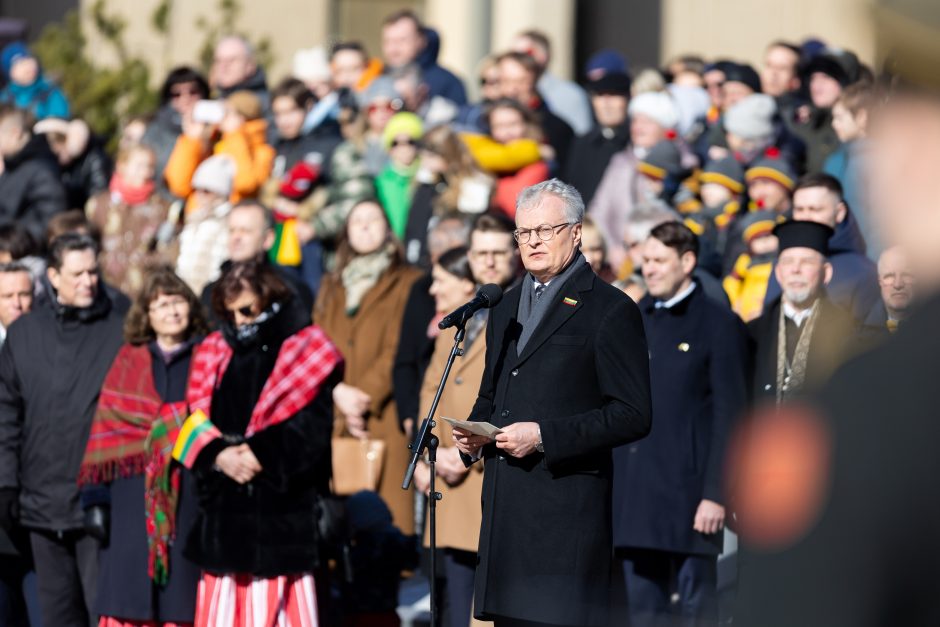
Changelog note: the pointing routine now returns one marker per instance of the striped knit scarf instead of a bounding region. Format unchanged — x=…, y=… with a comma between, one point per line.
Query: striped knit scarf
x=132, y=433
x=304, y=362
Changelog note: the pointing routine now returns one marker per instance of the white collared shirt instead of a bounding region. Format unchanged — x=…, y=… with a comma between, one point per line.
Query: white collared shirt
x=798, y=317
x=675, y=300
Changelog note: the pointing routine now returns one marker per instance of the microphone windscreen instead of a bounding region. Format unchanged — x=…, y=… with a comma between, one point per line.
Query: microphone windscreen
x=491, y=293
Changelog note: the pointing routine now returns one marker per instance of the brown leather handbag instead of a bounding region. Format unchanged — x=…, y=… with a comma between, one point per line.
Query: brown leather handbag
x=357, y=464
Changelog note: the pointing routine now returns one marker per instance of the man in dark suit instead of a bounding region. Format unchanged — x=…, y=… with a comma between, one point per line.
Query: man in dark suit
x=669, y=510
x=802, y=337
x=567, y=380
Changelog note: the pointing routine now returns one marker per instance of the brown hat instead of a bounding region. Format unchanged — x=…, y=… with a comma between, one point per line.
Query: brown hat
x=246, y=104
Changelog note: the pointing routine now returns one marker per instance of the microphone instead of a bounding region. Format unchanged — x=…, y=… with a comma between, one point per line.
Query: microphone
x=486, y=297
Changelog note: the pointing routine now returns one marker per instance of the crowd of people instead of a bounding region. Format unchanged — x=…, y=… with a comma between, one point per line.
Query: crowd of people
x=215, y=337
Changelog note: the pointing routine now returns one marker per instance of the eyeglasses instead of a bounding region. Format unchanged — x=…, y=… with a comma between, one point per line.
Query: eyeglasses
x=167, y=305
x=495, y=254
x=404, y=142
x=545, y=232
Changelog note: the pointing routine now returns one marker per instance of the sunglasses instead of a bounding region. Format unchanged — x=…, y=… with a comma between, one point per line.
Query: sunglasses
x=404, y=142
x=248, y=311
x=389, y=105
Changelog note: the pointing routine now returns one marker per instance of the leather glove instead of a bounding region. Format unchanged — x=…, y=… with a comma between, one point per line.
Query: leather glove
x=9, y=508
x=97, y=522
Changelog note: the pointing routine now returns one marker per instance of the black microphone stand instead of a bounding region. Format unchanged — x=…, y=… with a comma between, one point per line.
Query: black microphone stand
x=425, y=439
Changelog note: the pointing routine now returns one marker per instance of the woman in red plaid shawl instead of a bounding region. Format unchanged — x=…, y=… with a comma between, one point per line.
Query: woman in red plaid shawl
x=258, y=440
x=143, y=578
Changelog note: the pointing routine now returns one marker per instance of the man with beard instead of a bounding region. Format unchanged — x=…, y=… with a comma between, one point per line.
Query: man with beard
x=801, y=337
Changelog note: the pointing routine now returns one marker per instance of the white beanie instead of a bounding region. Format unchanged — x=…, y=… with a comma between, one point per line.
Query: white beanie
x=311, y=65
x=658, y=106
x=752, y=117
x=215, y=175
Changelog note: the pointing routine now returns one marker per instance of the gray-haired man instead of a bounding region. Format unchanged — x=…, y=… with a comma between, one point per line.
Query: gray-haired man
x=567, y=380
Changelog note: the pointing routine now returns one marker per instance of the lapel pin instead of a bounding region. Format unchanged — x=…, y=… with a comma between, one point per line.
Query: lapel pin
x=570, y=302
x=684, y=347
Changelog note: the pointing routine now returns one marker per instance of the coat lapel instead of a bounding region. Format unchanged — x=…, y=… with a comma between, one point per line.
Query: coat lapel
x=566, y=304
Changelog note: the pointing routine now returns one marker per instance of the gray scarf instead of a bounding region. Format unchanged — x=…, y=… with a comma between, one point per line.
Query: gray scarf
x=533, y=310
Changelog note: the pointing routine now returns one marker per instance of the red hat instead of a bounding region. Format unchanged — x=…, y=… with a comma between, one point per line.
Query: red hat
x=299, y=181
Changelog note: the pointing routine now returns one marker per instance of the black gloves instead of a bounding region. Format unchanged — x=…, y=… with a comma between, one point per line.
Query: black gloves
x=98, y=522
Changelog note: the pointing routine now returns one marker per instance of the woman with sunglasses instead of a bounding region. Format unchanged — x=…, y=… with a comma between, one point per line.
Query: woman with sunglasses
x=360, y=306
x=143, y=577
x=181, y=90
x=396, y=182
x=258, y=441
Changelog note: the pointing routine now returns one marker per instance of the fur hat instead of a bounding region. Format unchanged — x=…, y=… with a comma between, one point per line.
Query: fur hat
x=658, y=106
x=215, y=175
x=752, y=117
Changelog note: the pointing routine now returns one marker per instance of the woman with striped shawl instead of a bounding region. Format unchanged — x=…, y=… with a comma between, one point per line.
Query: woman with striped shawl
x=143, y=578
x=258, y=441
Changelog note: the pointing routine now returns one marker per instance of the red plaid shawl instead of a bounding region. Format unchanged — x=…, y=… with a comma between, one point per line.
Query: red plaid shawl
x=132, y=433
x=305, y=360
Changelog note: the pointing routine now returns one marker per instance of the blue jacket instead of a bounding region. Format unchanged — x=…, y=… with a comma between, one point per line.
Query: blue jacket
x=847, y=164
x=42, y=99
x=698, y=377
x=440, y=82
x=854, y=285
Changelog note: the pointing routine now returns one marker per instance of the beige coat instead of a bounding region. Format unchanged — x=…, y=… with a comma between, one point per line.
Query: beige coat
x=368, y=341
x=458, y=514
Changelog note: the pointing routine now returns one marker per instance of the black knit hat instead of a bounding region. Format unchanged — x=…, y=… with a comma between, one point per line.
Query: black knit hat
x=610, y=83
x=743, y=73
x=804, y=234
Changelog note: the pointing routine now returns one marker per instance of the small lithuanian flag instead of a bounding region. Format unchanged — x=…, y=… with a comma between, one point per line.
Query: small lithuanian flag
x=196, y=432
x=570, y=301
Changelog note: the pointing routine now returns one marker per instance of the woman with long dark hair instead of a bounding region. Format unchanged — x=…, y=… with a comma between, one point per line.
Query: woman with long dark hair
x=143, y=578
x=258, y=441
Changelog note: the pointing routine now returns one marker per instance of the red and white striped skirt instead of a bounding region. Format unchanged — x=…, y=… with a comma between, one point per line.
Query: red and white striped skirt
x=240, y=600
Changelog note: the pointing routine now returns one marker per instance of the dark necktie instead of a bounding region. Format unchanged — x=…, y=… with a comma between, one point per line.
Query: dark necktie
x=539, y=288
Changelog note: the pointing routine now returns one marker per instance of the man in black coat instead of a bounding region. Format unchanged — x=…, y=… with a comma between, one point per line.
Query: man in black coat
x=590, y=153
x=30, y=189
x=52, y=366
x=669, y=509
x=817, y=335
x=567, y=380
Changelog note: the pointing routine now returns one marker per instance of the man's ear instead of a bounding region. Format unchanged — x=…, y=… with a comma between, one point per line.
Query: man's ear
x=53, y=275
x=688, y=261
x=827, y=273
x=842, y=210
x=268, y=239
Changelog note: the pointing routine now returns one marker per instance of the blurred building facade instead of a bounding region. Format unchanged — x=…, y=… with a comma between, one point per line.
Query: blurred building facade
x=648, y=32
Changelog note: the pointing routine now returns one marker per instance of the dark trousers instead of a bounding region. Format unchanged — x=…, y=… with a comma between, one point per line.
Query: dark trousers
x=651, y=577
x=459, y=567
x=500, y=621
x=67, y=574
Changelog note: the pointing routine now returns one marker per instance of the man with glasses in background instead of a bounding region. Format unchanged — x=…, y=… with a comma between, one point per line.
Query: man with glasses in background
x=566, y=381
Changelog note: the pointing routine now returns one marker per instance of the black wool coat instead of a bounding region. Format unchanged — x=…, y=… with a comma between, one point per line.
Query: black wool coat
x=698, y=374
x=267, y=527
x=545, y=541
